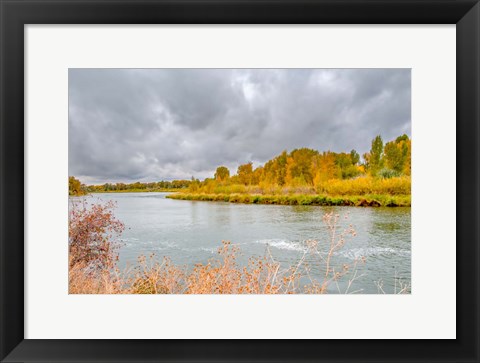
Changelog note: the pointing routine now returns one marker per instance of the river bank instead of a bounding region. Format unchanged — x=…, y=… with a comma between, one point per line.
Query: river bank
x=301, y=199
x=161, y=190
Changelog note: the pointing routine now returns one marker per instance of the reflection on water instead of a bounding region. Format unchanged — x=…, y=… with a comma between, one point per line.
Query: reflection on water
x=191, y=231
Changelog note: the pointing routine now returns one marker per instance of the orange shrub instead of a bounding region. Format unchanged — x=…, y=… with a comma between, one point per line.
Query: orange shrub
x=91, y=235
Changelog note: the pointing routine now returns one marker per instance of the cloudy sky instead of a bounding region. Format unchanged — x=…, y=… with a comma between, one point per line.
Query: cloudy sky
x=127, y=125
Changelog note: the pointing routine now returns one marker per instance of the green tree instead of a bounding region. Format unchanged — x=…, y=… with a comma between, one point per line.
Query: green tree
x=404, y=137
x=394, y=158
x=397, y=153
x=375, y=159
x=343, y=160
x=355, y=157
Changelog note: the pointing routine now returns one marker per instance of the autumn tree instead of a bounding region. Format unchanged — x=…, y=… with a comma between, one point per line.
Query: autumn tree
x=257, y=175
x=275, y=170
x=408, y=158
x=75, y=187
x=194, y=184
x=222, y=174
x=299, y=167
x=325, y=167
x=245, y=173
x=396, y=154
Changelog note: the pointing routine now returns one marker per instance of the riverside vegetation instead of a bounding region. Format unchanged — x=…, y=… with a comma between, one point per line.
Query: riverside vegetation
x=95, y=241
x=300, y=177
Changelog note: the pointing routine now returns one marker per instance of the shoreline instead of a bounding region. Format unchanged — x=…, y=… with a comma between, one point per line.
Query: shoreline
x=300, y=199
x=137, y=191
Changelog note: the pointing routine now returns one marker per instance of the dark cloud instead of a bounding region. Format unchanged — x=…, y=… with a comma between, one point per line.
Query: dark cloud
x=153, y=124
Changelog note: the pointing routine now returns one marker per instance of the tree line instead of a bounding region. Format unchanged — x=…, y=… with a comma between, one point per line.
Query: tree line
x=75, y=187
x=308, y=167
x=298, y=168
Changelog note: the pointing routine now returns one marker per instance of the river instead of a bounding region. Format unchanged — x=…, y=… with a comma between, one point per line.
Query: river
x=190, y=232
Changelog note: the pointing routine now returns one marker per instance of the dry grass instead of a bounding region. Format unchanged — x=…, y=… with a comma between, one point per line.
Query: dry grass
x=82, y=280
x=367, y=185
x=363, y=185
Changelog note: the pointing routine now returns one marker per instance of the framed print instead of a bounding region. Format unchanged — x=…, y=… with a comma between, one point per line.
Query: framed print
x=261, y=208
x=239, y=181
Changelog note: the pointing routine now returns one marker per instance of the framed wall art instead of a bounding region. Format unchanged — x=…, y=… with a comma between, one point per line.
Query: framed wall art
x=239, y=181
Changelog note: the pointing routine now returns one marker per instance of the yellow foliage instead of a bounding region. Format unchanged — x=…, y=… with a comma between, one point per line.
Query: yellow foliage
x=366, y=185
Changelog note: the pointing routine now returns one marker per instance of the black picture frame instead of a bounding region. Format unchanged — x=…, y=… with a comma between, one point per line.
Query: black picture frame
x=15, y=14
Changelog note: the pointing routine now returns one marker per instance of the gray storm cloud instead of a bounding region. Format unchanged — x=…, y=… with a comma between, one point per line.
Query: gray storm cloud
x=160, y=124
